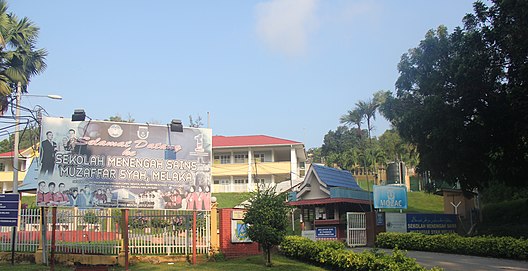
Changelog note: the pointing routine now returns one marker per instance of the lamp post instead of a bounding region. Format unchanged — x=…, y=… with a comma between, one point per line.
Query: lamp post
x=17, y=136
x=15, y=153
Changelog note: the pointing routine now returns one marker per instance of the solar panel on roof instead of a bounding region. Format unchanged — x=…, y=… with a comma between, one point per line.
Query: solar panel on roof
x=336, y=177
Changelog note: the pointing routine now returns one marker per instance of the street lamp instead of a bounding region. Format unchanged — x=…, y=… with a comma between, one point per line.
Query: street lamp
x=17, y=122
x=15, y=153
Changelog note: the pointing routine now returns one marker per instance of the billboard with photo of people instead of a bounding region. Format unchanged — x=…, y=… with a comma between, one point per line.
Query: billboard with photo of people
x=100, y=164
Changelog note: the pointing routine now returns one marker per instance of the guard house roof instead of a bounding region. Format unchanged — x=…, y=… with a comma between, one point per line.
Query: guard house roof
x=326, y=179
x=336, y=177
x=325, y=185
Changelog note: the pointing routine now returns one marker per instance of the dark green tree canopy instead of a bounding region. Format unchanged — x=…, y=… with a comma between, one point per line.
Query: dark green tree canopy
x=461, y=97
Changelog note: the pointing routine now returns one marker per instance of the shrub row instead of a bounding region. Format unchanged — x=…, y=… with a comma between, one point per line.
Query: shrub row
x=333, y=255
x=505, y=212
x=486, y=246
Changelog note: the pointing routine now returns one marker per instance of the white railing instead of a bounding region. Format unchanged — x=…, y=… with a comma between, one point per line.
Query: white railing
x=167, y=232
x=98, y=231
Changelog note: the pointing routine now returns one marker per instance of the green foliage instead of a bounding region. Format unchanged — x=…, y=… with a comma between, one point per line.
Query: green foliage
x=334, y=256
x=29, y=201
x=495, y=192
x=266, y=217
x=28, y=138
x=90, y=217
x=18, y=54
x=507, y=218
x=485, y=246
x=461, y=98
x=118, y=118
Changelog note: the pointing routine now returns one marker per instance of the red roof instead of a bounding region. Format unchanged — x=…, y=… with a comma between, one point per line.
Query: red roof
x=247, y=141
x=7, y=154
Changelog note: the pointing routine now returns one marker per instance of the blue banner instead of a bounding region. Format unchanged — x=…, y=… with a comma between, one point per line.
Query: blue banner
x=390, y=197
x=431, y=223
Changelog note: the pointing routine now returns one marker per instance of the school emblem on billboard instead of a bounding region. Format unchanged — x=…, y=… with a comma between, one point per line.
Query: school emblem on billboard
x=115, y=130
x=142, y=132
x=99, y=164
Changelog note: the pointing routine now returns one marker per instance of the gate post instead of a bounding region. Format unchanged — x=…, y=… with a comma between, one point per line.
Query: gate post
x=215, y=239
x=371, y=228
x=123, y=254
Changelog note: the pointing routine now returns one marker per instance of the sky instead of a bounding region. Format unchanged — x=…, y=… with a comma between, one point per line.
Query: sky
x=283, y=68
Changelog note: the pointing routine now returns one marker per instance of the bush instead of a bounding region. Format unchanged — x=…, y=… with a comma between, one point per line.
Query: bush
x=334, y=256
x=90, y=217
x=487, y=246
x=504, y=212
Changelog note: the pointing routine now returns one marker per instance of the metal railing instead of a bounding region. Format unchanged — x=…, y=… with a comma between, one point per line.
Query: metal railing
x=98, y=231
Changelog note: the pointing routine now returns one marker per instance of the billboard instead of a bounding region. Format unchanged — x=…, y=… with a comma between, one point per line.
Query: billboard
x=390, y=197
x=100, y=164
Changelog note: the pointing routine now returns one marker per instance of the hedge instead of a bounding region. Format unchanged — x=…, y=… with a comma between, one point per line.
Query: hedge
x=334, y=255
x=486, y=246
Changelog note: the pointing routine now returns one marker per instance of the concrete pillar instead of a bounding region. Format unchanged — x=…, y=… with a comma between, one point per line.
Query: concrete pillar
x=215, y=237
x=294, y=174
x=250, y=185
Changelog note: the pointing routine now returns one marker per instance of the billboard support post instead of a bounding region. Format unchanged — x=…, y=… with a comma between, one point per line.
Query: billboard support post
x=194, y=238
x=124, y=213
x=53, y=229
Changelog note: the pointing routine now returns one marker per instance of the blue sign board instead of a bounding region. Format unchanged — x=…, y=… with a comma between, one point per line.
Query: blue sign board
x=9, y=204
x=326, y=232
x=431, y=223
x=390, y=197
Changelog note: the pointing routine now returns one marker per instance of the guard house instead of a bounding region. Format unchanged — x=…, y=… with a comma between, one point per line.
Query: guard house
x=324, y=198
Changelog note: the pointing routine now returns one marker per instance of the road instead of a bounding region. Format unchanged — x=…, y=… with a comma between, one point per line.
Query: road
x=454, y=262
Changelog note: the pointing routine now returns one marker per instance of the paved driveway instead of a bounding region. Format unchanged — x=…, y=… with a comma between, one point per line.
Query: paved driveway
x=454, y=262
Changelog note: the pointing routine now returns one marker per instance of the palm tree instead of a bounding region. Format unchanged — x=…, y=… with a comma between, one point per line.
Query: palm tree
x=354, y=117
x=19, y=59
x=368, y=111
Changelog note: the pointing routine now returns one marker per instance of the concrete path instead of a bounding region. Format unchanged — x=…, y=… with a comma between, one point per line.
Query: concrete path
x=454, y=262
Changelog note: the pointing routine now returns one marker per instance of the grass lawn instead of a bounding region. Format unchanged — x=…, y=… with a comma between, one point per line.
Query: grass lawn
x=253, y=263
x=230, y=200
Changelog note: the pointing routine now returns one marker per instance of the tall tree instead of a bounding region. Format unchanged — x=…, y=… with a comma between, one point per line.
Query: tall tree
x=462, y=97
x=368, y=111
x=353, y=117
x=19, y=58
x=267, y=219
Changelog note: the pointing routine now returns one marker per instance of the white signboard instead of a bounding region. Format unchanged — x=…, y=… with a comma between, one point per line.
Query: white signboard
x=396, y=222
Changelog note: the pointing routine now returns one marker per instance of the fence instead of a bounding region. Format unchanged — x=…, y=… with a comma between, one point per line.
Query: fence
x=98, y=231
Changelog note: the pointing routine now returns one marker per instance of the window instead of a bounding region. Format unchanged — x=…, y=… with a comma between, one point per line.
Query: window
x=260, y=181
x=221, y=181
x=222, y=159
x=241, y=158
x=241, y=181
x=2, y=167
x=259, y=157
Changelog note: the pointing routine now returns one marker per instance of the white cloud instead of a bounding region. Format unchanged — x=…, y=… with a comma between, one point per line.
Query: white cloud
x=285, y=25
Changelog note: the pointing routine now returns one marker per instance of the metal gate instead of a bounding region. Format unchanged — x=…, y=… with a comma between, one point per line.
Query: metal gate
x=356, y=229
